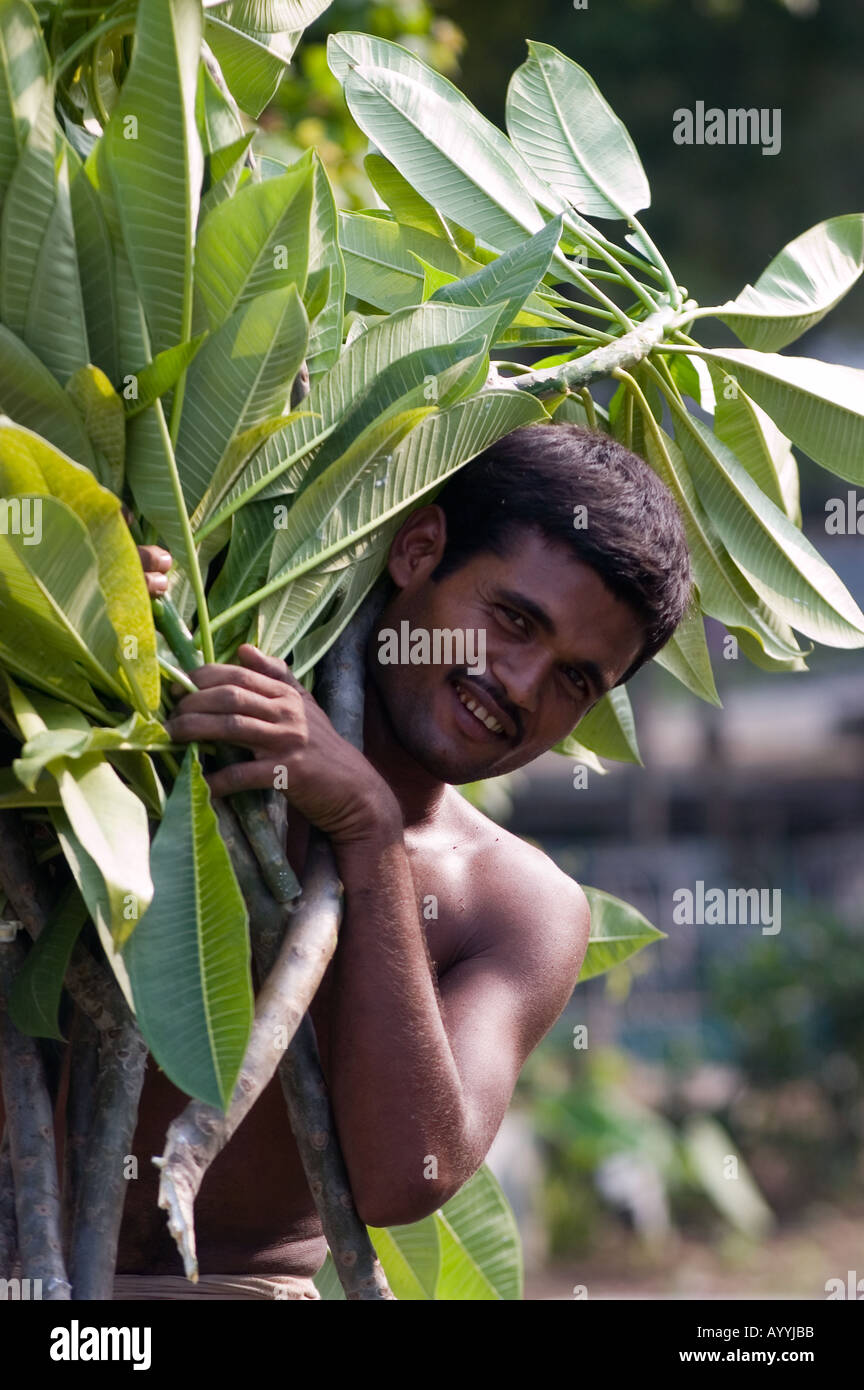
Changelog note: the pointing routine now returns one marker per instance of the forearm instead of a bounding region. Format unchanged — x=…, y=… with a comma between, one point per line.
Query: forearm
x=396, y=1089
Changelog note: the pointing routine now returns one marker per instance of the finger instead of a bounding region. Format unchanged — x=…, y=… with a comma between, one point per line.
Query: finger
x=257, y=775
x=155, y=559
x=156, y=584
x=233, y=699
x=221, y=728
x=206, y=677
x=272, y=666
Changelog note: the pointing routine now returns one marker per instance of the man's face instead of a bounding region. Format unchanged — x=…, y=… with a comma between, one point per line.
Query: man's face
x=556, y=639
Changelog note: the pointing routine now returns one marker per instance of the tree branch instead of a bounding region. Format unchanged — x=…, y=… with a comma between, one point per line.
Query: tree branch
x=8, y=1224
x=599, y=363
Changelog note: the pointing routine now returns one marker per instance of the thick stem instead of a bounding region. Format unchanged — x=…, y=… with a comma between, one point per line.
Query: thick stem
x=102, y=1189
x=30, y=1123
x=80, y=1100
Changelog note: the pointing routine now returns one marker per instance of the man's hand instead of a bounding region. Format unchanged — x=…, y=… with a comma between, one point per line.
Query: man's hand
x=156, y=563
x=260, y=706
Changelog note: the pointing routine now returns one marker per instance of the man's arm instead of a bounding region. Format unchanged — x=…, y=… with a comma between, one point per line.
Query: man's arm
x=413, y=1080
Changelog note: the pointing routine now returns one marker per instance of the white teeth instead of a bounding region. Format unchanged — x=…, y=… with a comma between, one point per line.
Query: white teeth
x=480, y=713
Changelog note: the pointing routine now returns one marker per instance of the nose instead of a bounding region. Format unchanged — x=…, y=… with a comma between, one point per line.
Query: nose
x=521, y=673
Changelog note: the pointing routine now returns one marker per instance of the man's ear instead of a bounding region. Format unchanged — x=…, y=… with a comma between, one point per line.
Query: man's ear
x=417, y=547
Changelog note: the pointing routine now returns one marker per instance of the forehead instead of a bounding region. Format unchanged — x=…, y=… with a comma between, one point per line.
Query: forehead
x=586, y=620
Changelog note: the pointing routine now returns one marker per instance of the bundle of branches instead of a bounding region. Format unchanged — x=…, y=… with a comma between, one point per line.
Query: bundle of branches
x=192, y=335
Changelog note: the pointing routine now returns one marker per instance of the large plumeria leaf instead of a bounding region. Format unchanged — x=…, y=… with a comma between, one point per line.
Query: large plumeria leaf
x=509, y=279
x=410, y=1257
x=219, y=123
x=254, y=242
x=189, y=958
x=50, y=596
x=325, y=283
x=804, y=280
x=818, y=405
x=28, y=464
x=723, y=591
x=271, y=16
x=108, y=820
x=160, y=376
x=241, y=376
x=456, y=159
x=757, y=443
x=357, y=581
x=402, y=198
x=379, y=367
x=135, y=734
x=23, y=81
x=381, y=260
x=572, y=138
x=481, y=1253
x=773, y=554
x=253, y=67
x=686, y=657
x=31, y=396
x=34, y=1000
x=28, y=204
x=102, y=411
x=152, y=151
x=91, y=885
x=56, y=323
x=609, y=729
x=617, y=932
x=434, y=449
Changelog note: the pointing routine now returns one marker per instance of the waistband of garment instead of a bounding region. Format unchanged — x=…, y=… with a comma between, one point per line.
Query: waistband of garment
x=134, y=1288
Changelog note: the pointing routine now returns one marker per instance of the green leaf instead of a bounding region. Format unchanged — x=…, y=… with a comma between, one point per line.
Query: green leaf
x=326, y=277
x=93, y=890
x=426, y=128
x=273, y=16
x=618, y=931
x=756, y=442
x=56, y=323
x=377, y=370
x=34, y=1000
x=152, y=151
x=686, y=657
x=570, y=747
x=818, y=405
x=802, y=283
x=50, y=598
x=723, y=591
x=135, y=734
x=253, y=243
x=15, y=797
x=189, y=958
x=609, y=729
x=23, y=81
x=357, y=580
x=435, y=448
x=28, y=205
x=28, y=464
x=708, y=1148
x=241, y=376
x=402, y=199
x=31, y=396
x=481, y=1253
x=107, y=819
x=508, y=280
x=381, y=260
x=252, y=67
x=159, y=376
x=572, y=138
x=773, y=554
x=96, y=269
x=101, y=409
x=410, y=1257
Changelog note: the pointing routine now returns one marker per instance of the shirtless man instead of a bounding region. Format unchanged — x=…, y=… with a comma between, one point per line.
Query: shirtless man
x=423, y=1025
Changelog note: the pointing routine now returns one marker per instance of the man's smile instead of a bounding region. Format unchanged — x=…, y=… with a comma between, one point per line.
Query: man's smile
x=479, y=715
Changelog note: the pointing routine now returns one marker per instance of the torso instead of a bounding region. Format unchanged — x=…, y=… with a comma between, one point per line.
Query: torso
x=255, y=1213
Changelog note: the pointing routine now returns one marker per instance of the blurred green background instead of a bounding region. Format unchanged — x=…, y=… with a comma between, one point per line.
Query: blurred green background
x=705, y=1136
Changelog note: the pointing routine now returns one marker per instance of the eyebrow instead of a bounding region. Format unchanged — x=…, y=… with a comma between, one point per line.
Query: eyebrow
x=514, y=599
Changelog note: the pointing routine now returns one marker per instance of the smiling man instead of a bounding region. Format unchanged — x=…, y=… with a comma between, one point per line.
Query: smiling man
x=460, y=944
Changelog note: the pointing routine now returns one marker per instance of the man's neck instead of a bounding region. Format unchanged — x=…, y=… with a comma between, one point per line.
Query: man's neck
x=419, y=793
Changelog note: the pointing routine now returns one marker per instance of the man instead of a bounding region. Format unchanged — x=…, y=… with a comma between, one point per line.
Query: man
x=460, y=944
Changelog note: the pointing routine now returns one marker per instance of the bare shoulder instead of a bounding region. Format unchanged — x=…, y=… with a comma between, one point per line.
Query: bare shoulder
x=524, y=906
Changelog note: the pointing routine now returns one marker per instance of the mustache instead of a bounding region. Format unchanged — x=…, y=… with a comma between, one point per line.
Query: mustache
x=461, y=673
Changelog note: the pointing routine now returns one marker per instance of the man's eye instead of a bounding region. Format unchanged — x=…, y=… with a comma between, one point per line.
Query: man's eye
x=513, y=617
x=576, y=679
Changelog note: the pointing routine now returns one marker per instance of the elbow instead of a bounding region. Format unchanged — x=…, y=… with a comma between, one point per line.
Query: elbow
x=405, y=1203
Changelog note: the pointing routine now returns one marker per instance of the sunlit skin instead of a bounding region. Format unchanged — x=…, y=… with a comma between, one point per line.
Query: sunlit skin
x=425, y=1016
